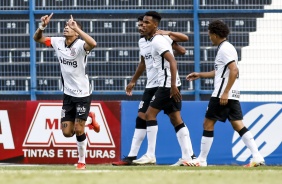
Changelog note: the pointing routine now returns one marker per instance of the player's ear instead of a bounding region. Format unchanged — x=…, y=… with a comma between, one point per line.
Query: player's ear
x=156, y=25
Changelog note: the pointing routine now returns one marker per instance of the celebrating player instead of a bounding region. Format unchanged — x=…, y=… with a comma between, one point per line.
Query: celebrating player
x=72, y=55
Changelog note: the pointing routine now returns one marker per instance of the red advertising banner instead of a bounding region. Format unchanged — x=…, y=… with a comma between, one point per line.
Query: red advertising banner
x=30, y=133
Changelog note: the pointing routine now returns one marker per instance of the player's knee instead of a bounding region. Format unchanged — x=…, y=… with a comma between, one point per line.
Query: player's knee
x=68, y=134
x=148, y=116
x=78, y=132
x=209, y=124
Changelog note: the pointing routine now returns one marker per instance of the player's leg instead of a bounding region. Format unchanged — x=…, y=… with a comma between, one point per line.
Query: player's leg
x=151, y=130
x=81, y=142
x=215, y=112
x=156, y=105
x=206, y=141
x=141, y=124
x=139, y=135
x=92, y=123
x=235, y=118
x=140, y=128
x=67, y=116
x=82, y=111
x=183, y=136
x=137, y=139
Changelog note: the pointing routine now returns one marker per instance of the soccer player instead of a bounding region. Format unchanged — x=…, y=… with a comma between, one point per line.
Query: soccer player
x=224, y=102
x=167, y=97
x=146, y=64
x=72, y=55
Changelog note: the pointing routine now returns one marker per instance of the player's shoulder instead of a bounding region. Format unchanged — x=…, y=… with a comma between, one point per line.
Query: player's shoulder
x=58, y=38
x=227, y=47
x=168, y=38
x=157, y=38
x=142, y=40
x=161, y=40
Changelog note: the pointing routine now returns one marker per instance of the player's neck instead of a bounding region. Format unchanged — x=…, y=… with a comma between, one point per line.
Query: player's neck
x=220, y=41
x=150, y=35
x=70, y=40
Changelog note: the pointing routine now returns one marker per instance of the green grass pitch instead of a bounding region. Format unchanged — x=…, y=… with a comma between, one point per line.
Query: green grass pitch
x=159, y=174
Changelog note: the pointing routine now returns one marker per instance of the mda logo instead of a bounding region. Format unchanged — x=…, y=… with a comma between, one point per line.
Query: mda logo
x=264, y=122
x=45, y=129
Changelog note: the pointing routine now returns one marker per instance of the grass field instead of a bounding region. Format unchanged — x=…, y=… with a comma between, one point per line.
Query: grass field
x=107, y=174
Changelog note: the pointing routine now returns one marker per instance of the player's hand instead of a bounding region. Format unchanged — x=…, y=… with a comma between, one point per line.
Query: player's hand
x=174, y=92
x=71, y=23
x=193, y=76
x=162, y=32
x=223, y=99
x=129, y=88
x=45, y=20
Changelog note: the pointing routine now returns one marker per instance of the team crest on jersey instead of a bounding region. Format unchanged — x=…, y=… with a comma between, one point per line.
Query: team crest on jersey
x=73, y=51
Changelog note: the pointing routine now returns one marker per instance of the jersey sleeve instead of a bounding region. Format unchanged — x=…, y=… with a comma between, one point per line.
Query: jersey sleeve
x=140, y=43
x=160, y=45
x=229, y=55
x=81, y=47
x=168, y=39
x=53, y=41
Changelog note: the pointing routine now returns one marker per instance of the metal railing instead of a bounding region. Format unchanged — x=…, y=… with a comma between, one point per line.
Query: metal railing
x=113, y=24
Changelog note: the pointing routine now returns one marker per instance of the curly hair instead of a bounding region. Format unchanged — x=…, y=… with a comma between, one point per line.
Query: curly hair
x=140, y=18
x=219, y=28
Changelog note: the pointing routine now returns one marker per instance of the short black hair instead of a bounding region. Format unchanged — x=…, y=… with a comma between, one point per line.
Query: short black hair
x=219, y=28
x=140, y=18
x=156, y=16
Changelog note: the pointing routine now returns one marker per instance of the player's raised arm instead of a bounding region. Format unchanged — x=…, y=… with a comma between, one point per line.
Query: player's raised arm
x=38, y=36
x=90, y=43
x=175, y=36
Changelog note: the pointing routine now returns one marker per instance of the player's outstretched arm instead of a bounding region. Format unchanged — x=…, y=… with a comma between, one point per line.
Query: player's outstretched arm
x=195, y=75
x=175, y=36
x=90, y=43
x=38, y=35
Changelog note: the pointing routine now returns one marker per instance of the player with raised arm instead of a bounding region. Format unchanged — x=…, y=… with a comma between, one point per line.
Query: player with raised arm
x=167, y=97
x=224, y=102
x=72, y=56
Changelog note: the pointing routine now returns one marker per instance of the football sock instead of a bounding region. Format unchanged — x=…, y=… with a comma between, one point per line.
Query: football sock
x=81, y=147
x=152, y=130
x=249, y=141
x=138, y=137
x=183, y=138
x=190, y=147
x=206, y=143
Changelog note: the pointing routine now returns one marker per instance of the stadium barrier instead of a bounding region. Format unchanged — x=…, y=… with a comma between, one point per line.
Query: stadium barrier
x=30, y=133
x=25, y=66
